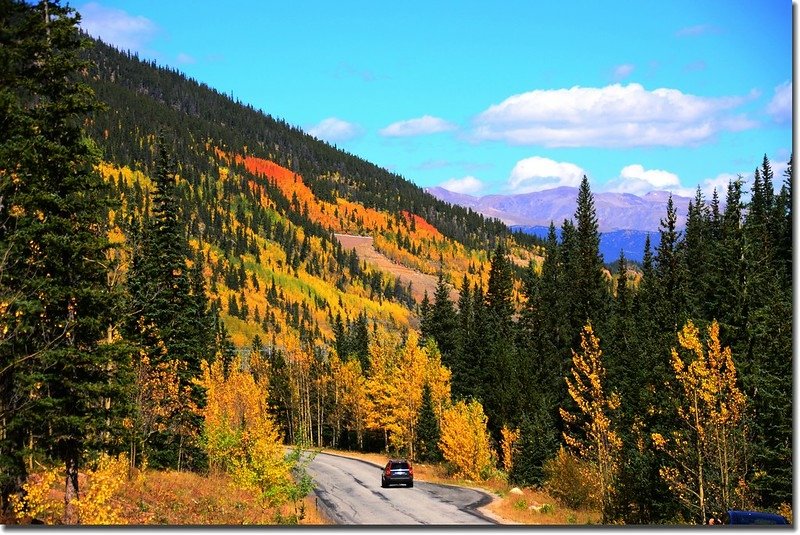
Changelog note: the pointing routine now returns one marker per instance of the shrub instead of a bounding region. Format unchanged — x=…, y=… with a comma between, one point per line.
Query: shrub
x=569, y=481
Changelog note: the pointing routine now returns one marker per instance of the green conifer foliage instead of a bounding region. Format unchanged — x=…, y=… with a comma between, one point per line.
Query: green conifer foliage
x=61, y=378
x=427, y=432
x=170, y=319
x=443, y=322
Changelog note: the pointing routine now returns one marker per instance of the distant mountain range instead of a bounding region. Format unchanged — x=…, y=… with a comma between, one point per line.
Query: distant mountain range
x=631, y=242
x=624, y=219
x=615, y=211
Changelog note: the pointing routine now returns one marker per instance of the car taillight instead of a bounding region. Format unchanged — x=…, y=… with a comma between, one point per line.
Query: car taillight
x=388, y=471
x=410, y=471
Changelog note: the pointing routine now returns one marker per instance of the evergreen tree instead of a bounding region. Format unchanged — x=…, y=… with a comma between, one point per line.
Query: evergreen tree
x=425, y=316
x=538, y=443
x=62, y=377
x=359, y=341
x=501, y=390
x=669, y=273
x=427, y=432
x=696, y=249
x=590, y=287
x=442, y=323
x=462, y=369
x=766, y=340
x=164, y=311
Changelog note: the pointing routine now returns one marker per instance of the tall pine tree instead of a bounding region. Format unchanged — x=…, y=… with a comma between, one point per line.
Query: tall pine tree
x=62, y=381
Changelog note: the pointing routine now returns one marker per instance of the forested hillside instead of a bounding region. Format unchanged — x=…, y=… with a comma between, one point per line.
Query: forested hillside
x=175, y=297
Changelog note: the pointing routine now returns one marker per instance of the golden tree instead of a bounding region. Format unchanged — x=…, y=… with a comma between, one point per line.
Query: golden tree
x=398, y=374
x=465, y=441
x=160, y=404
x=708, y=466
x=509, y=446
x=383, y=396
x=241, y=437
x=593, y=438
x=349, y=398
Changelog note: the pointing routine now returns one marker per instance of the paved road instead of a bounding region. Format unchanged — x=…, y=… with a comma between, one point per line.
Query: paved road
x=349, y=492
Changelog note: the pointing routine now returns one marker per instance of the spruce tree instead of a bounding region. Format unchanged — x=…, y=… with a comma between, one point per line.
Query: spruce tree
x=442, y=322
x=697, y=246
x=501, y=390
x=165, y=310
x=462, y=369
x=591, y=290
x=427, y=432
x=62, y=377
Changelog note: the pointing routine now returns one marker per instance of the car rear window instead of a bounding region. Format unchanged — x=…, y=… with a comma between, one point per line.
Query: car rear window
x=401, y=466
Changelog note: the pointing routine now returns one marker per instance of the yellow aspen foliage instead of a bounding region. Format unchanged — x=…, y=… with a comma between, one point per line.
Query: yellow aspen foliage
x=708, y=467
x=508, y=446
x=241, y=437
x=465, y=441
x=382, y=389
x=595, y=441
x=37, y=500
x=96, y=506
x=349, y=397
x=398, y=375
x=42, y=497
x=159, y=401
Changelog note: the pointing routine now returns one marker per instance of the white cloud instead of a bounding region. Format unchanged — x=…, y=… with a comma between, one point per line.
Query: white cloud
x=720, y=183
x=637, y=180
x=780, y=107
x=117, y=27
x=183, y=57
x=468, y=184
x=334, y=130
x=623, y=71
x=617, y=116
x=537, y=174
x=426, y=124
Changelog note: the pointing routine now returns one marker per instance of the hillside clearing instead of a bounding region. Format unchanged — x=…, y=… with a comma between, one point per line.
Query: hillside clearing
x=365, y=249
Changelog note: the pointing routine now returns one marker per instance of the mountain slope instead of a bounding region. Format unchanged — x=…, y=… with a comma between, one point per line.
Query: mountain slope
x=262, y=202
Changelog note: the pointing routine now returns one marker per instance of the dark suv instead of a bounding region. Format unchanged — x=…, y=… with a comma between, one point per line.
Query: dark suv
x=397, y=471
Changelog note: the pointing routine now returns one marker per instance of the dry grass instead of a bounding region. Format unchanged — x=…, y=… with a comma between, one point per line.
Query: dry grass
x=185, y=498
x=533, y=507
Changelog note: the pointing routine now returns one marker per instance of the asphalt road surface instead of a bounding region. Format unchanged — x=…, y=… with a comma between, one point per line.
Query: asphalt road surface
x=349, y=492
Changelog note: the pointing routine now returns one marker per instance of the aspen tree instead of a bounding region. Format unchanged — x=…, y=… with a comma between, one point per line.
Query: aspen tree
x=591, y=431
x=708, y=466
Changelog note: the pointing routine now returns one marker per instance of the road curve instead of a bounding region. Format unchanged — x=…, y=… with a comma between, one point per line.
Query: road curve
x=349, y=492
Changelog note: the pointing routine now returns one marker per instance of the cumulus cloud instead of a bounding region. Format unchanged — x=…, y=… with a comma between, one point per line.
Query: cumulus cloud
x=426, y=124
x=623, y=71
x=720, y=183
x=117, y=27
x=637, y=180
x=616, y=116
x=780, y=107
x=468, y=184
x=537, y=174
x=334, y=130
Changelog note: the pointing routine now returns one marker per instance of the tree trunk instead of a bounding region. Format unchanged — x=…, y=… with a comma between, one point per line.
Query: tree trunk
x=71, y=493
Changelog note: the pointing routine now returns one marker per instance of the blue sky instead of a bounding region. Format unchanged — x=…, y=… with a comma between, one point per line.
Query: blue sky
x=498, y=97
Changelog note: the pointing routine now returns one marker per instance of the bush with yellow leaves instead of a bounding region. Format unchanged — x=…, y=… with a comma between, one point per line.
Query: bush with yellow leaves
x=96, y=506
x=465, y=441
x=43, y=501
